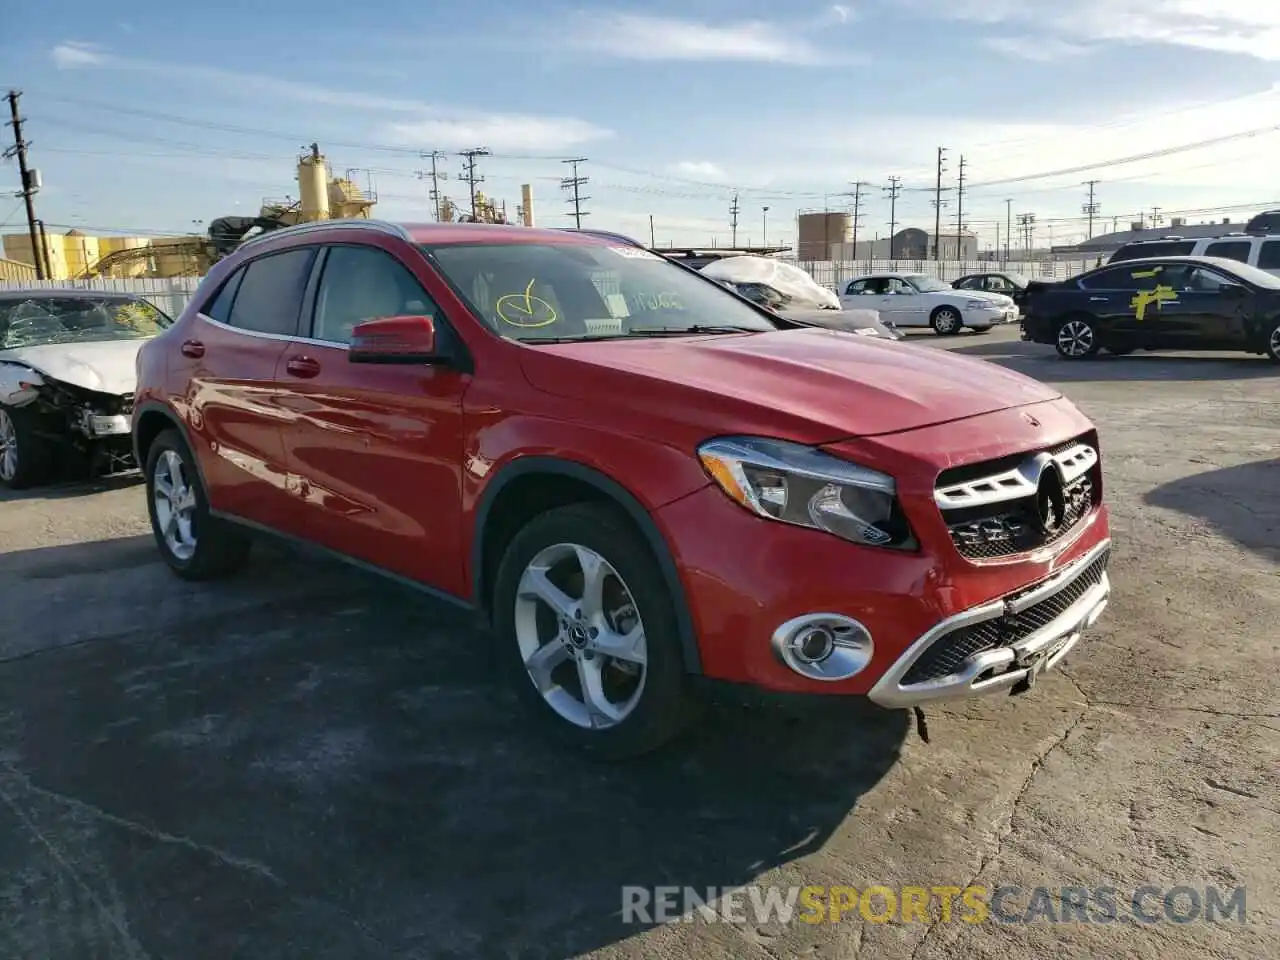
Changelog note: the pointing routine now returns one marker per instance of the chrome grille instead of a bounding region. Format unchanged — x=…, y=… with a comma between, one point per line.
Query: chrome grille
x=948, y=653
x=994, y=509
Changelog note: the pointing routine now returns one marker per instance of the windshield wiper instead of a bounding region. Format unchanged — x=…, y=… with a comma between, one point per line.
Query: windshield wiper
x=685, y=331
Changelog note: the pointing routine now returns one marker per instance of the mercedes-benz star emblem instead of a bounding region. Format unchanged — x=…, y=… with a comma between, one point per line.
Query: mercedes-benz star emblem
x=578, y=636
x=1051, y=499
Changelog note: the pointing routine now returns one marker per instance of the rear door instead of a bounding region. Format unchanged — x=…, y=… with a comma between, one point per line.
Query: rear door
x=376, y=449
x=231, y=357
x=1161, y=309
x=1238, y=250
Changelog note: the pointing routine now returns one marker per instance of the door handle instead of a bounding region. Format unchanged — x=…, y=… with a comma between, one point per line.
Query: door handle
x=1097, y=299
x=304, y=367
x=192, y=348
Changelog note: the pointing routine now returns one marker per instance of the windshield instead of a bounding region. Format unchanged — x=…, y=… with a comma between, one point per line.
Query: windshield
x=927, y=284
x=39, y=321
x=532, y=292
x=1259, y=278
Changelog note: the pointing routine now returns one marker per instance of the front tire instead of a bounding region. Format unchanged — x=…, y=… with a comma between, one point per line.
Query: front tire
x=946, y=321
x=24, y=457
x=1077, y=338
x=195, y=544
x=1273, y=343
x=588, y=635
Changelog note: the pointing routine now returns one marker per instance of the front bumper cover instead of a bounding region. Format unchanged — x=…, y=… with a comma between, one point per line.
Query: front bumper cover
x=1000, y=667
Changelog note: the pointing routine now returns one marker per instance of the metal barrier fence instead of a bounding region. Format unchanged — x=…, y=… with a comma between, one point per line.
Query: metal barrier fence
x=172, y=295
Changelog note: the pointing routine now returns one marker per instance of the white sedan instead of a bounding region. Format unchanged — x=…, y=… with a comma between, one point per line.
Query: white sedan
x=919, y=300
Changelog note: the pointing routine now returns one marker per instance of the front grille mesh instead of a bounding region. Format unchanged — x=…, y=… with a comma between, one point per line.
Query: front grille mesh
x=948, y=653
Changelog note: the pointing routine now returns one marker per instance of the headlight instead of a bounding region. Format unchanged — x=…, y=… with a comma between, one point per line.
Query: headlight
x=806, y=487
x=980, y=305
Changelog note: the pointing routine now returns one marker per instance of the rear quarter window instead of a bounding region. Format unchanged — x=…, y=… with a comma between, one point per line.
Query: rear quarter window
x=1238, y=250
x=1269, y=255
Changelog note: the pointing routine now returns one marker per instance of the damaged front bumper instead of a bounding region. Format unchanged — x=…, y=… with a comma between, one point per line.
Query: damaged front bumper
x=95, y=424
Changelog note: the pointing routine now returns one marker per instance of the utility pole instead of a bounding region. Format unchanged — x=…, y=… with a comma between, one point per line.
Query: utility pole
x=1090, y=209
x=764, y=226
x=1008, y=227
x=1026, y=221
x=937, y=206
x=469, y=174
x=857, y=213
x=1157, y=219
x=436, y=176
x=652, y=242
x=575, y=183
x=733, y=222
x=960, y=212
x=892, y=190
x=30, y=183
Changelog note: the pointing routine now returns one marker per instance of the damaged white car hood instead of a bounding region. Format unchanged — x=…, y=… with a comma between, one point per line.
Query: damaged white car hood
x=106, y=366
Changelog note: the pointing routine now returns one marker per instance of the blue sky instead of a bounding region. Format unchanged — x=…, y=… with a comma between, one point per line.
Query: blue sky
x=157, y=117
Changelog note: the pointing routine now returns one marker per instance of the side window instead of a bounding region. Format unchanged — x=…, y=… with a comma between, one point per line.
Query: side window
x=899, y=286
x=1124, y=278
x=364, y=283
x=1205, y=280
x=270, y=294
x=856, y=288
x=1230, y=249
x=219, y=308
x=1269, y=255
x=999, y=285
x=968, y=283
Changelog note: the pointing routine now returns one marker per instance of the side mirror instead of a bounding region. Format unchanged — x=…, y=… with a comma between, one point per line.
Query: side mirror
x=394, y=340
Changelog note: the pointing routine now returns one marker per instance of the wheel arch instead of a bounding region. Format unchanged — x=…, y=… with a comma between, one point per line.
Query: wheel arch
x=531, y=485
x=150, y=419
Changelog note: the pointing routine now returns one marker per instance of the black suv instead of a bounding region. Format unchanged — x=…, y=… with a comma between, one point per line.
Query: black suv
x=1158, y=303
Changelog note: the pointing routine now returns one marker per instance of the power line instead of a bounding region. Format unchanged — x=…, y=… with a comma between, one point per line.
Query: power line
x=436, y=176
x=469, y=175
x=575, y=183
x=30, y=183
x=733, y=222
x=1091, y=208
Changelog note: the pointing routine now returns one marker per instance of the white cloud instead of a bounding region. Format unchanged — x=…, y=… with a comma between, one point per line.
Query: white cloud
x=632, y=36
x=698, y=170
x=842, y=13
x=68, y=56
x=428, y=125
x=1036, y=49
x=497, y=132
x=1249, y=27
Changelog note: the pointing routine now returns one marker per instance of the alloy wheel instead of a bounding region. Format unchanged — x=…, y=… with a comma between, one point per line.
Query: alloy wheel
x=1275, y=343
x=580, y=636
x=946, y=321
x=1075, y=338
x=8, y=447
x=175, y=505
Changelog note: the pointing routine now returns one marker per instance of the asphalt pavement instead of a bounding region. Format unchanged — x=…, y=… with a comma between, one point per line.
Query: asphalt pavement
x=309, y=762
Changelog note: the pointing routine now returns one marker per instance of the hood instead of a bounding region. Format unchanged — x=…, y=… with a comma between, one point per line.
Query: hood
x=106, y=366
x=809, y=385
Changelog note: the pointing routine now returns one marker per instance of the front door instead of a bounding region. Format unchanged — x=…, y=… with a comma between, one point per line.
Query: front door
x=375, y=450
x=230, y=355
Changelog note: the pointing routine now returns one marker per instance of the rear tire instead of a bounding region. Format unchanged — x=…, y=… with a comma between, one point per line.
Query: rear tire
x=1273, y=343
x=24, y=456
x=195, y=544
x=560, y=640
x=946, y=321
x=1077, y=338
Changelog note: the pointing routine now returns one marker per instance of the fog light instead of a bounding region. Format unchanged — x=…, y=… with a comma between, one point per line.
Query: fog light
x=823, y=646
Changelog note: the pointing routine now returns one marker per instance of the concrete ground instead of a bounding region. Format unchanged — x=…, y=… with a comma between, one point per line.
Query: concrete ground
x=306, y=762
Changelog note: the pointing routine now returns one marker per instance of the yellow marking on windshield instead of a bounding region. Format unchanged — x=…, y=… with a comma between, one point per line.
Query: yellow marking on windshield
x=525, y=309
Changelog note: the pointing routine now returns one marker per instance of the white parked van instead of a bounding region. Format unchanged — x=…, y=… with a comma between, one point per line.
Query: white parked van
x=1261, y=251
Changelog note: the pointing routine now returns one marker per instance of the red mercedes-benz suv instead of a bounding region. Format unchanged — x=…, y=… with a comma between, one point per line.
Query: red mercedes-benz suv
x=638, y=477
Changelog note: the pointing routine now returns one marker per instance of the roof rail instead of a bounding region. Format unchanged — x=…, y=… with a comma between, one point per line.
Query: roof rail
x=347, y=223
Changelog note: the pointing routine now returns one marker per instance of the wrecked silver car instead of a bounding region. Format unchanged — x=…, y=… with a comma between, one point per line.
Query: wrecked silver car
x=67, y=380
